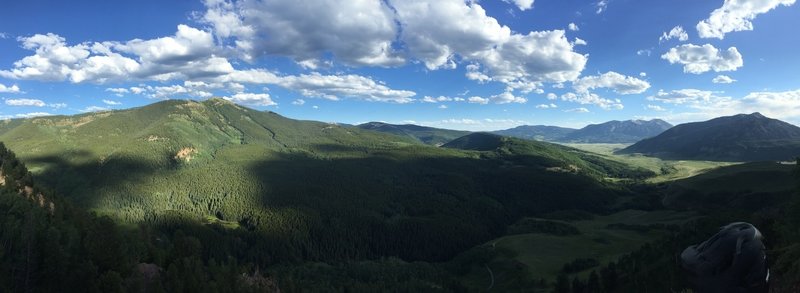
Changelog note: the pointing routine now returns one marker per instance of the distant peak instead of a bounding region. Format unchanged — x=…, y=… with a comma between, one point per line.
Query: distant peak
x=754, y=115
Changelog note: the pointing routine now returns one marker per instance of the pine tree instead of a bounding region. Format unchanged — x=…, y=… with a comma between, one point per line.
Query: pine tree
x=593, y=286
x=562, y=284
x=609, y=277
x=578, y=286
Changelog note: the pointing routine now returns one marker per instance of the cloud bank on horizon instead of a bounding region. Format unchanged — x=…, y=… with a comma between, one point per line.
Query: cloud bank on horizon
x=488, y=64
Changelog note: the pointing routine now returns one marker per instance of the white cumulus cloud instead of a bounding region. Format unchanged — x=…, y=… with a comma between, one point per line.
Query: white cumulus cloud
x=573, y=27
x=577, y=110
x=723, y=79
x=26, y=115
x=94, y=109
x=26, y=102
x=333, y=87
x=119, y=92
x=602, y=5
x=507, y=98
x=9, y=89
x=527, y=61
x=684, y=96
x=477, y=100
x=438, y=33
x=593, y=99
x=188, y=54
x=251, y=99
x=522, y=4
x=474, y=124
x=618, y=83
x=705, y=105
x=435, y=31
x=675, y=33
x=698, y=59
x=356, y=32
x=736, y=15
x=782, y=105
x=546, y=106
x=429, y=99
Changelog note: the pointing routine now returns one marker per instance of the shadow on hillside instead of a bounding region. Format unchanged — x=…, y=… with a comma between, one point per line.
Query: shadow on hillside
x=348, y=202
x=413, y=206
x=78, y=177
x=747, y=187
x=336, y=148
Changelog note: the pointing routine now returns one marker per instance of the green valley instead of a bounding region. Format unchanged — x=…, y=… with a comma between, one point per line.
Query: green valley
x=311, y=206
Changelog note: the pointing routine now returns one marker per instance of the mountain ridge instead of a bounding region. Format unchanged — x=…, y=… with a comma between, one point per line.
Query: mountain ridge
x=741, y=137
x=614, y=131
x=424, y=134
x=537, y=132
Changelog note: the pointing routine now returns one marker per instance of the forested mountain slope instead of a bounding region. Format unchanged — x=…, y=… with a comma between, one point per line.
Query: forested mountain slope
x=537, y=132
x=300, y=185
x=427, y=135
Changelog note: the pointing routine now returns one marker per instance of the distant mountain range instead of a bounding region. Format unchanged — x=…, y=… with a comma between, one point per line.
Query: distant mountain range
x=427, y=135
x=740, y=137
x=627, y=131
x=537, y=132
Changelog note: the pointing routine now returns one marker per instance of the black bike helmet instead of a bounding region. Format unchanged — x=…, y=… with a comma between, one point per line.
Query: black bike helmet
x=733, y=260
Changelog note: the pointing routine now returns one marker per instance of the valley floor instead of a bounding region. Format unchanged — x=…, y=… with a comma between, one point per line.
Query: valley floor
x=667, y=170
x=602, y=238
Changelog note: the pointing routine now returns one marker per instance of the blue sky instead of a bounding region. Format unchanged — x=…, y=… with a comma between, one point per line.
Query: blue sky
x=476, y=65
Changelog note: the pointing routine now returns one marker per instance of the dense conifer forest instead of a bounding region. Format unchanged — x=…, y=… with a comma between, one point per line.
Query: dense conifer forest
x=193, y=201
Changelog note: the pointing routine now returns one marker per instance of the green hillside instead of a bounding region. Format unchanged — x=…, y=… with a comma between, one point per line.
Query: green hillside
x=301, y=184
x=209, y=191
x=762, y=193
x=738, y=138
x=748, y=186
x=634, y=250
x=516, y=258
x=666, y=170
x=427, y=135
x=554, y=157
x=537, y=132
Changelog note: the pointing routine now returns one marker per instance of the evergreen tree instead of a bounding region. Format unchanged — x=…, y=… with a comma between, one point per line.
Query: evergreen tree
x=593, y=286
x=609, y=277
x=562, y=284
x=578, y=286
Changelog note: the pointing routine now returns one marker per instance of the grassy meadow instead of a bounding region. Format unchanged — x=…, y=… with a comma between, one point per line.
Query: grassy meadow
x=602, y=238
x=666, y=170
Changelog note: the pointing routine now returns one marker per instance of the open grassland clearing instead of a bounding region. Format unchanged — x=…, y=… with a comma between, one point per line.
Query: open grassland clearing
x=528, y=258
x=667, y=170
